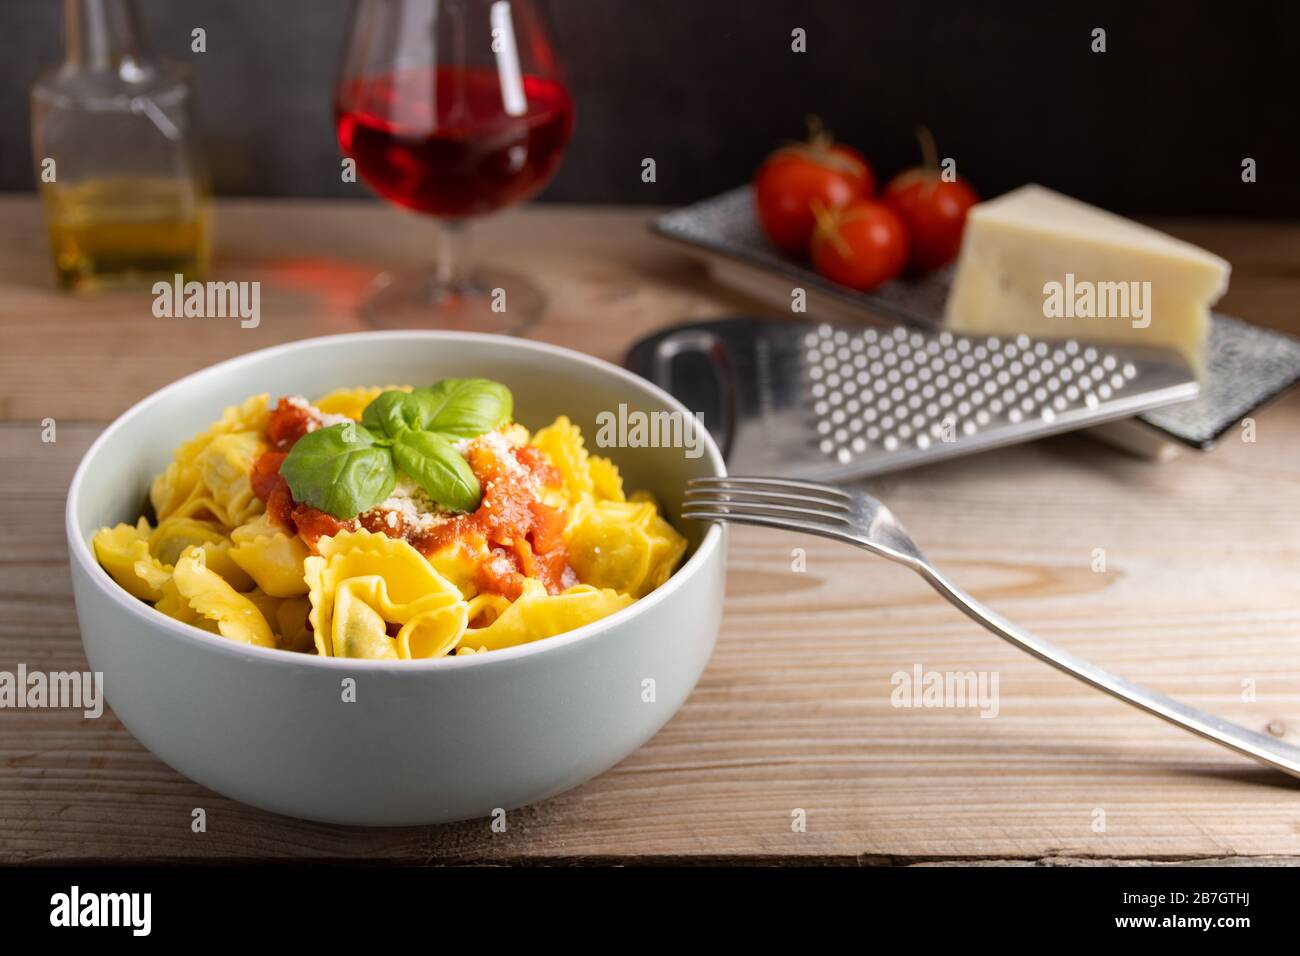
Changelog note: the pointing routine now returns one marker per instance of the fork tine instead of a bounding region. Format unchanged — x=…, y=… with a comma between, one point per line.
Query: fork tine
x=789, y=485
x=783, y=524
x=762, y=496
x=763, y=509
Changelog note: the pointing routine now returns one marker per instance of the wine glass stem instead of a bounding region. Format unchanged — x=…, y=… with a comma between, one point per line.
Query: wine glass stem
x=452, y=266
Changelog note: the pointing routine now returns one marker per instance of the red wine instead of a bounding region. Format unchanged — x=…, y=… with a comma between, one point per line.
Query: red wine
x=440, y=140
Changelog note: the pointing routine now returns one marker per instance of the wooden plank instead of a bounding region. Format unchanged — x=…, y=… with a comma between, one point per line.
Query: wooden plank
x=1201, y=591
x=89, y=358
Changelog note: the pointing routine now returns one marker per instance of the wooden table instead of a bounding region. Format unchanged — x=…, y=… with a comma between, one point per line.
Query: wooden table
x=1201, y=592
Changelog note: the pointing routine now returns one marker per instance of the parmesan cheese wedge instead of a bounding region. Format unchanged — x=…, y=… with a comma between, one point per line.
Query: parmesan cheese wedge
x=1036, y=262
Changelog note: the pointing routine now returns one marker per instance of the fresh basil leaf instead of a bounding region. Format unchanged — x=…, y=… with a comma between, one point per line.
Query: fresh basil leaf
x=434, y=464
x=339, y=470
x=466, y=407
x=394, y=412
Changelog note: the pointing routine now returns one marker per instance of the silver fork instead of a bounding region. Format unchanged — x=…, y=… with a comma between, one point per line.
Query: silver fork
x=856, y=518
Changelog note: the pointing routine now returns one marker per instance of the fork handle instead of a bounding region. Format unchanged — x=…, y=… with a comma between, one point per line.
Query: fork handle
x=1257, y=746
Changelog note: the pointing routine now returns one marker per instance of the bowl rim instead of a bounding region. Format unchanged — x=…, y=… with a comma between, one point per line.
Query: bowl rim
x=79, y=548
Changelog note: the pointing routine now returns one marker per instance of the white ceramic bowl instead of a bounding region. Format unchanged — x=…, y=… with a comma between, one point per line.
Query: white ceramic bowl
x=425, y=741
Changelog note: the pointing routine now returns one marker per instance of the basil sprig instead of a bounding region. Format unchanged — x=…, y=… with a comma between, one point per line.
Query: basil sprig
x=346, y=469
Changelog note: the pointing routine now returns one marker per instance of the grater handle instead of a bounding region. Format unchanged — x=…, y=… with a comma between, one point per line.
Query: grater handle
x=713, y=348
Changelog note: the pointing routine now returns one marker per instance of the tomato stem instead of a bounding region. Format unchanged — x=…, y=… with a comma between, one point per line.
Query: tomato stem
x=818, y=136
x=828, y=226
x=929, y=152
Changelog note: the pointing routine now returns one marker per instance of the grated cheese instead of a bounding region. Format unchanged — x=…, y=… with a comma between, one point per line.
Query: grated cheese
x=501, y=448
x=419, y=512
x=318, y=419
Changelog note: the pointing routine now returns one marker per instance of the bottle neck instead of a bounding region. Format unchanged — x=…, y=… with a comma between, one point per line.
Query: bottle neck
x=104, y=35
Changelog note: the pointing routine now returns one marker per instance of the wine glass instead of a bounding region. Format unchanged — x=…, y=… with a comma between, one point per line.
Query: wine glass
x=455, y=109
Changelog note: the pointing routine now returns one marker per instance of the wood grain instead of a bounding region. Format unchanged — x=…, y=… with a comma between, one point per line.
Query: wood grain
x=1201, y=592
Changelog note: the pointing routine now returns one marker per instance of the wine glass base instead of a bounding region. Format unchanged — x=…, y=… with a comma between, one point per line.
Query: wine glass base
x=488, y=300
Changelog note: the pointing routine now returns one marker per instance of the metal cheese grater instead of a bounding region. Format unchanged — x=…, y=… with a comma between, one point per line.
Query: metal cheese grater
x=833, y=402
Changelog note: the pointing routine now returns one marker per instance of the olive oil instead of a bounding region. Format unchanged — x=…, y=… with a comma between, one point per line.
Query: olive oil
x=115, y=232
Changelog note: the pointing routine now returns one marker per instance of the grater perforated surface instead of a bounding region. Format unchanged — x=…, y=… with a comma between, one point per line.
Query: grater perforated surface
x=871, y=389
x=839, y=401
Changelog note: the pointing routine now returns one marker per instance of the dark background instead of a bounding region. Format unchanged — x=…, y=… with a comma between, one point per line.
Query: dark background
x=1158, y=124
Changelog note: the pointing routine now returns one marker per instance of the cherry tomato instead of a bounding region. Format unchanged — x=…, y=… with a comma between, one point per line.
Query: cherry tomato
x=933, y=208
x=794, y=177
x=860, y=245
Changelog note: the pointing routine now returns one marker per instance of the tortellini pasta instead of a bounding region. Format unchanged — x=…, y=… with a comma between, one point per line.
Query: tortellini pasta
x=124, y=553
x=209, y=595
x=209, y=475
x=141, y=559
x=363, y=582
x=536, y=614
x=624, y=545
x=271, y=556
x=215, y=558
x=563, y=445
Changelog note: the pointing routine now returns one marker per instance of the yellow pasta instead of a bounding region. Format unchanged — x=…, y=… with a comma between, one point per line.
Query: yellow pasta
x=251, y=416
x=362, y=581
x=224, y=469
x=293, y=625
x=141, y=560
x=173, y=535
x=356, y=628
x=208, y=594
x=622, y=545
x=124, y=552
x=486, y=608
x=181, y=488
x=174, y=487
x=270, y=556
x=606, y=482
x=407, y=579
x=563, y=445
x=174, y=605
x=434, y=632
x=536, y=615
x=667, y=547
x=455, y=563
x=287, y=618
x=351, y=402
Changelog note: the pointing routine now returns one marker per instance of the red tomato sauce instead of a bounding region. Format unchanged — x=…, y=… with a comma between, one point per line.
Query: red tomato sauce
x=288, y=423
x=512, y=535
